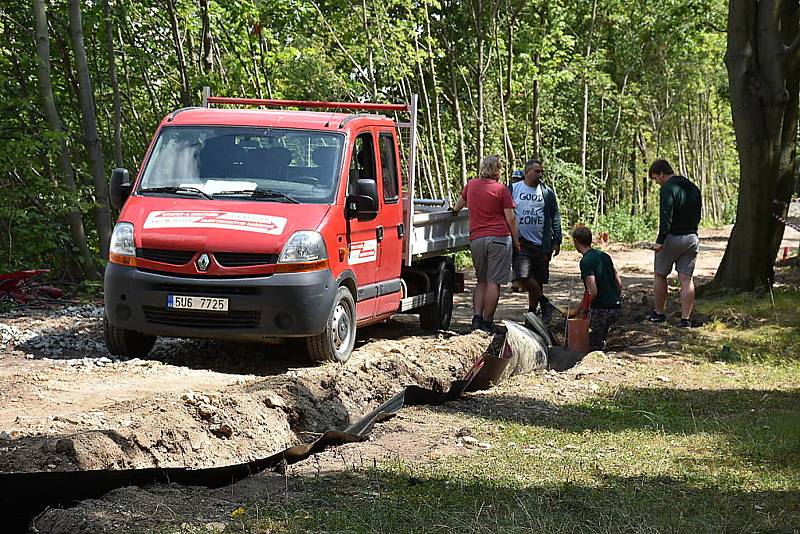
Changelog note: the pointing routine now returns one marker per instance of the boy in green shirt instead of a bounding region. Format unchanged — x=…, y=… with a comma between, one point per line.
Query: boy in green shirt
x=603, y=284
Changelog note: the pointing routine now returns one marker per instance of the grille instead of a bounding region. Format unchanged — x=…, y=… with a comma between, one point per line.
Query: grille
x=202, y=319
x=173, y=257
x=242, y=259
x=205, y=290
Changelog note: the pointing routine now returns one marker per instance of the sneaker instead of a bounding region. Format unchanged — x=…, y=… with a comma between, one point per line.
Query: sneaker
x=487, y=326
x=685, y=323
x=656, y=317
x=477, y=322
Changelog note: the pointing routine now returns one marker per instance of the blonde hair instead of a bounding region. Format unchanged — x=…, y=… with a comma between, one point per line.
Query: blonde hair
x=491, y=167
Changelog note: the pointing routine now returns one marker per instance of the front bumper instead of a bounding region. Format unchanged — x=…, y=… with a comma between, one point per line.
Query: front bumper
x=278, y=305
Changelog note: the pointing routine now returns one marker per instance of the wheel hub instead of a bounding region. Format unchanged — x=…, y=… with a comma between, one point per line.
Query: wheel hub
x=341, y=328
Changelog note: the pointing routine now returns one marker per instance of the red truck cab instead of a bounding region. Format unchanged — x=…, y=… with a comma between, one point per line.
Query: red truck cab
x=262, y=224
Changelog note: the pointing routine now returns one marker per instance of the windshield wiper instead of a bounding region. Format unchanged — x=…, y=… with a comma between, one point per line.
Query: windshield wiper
x=259, y=194
x=177, y=190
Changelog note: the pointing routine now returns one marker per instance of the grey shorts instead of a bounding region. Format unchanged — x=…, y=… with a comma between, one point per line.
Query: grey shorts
x=491, y=257
x=679, y=251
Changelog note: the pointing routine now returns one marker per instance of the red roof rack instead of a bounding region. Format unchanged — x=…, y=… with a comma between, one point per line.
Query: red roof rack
x=369, y=106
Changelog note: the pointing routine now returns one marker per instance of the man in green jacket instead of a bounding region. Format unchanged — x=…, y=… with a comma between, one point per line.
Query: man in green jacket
x=677, y=242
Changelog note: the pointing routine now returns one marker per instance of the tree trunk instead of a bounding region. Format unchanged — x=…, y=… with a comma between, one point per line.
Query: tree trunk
x=74, y=219
x=763, y=62
x=537, y=137
x=207, y=61
x=462, y=145
x=112, y=75
x=186, y=95
x=93, y=148
x=585, y=114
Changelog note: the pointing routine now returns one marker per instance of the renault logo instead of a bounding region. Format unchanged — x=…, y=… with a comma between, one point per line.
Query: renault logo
x=202, y=262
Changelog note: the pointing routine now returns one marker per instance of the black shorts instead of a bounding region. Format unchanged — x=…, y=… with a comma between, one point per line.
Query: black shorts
x=531, y=262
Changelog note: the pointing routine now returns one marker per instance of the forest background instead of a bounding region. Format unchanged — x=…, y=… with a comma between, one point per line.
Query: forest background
x=596, y=88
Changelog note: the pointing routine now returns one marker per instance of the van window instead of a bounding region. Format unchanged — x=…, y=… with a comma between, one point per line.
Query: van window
x=362, y=162
x=388, y=167
x=302, y=164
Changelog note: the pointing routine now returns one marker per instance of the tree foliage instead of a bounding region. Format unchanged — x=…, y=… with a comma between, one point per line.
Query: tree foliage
x=643, y=78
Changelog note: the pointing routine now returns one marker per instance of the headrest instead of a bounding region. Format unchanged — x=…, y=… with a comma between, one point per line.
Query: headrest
x=278, y=155
x=324, y=156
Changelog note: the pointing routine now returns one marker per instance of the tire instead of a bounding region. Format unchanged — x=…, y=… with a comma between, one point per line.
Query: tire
x=336, y=342
x=437, y=316
x=126, y=343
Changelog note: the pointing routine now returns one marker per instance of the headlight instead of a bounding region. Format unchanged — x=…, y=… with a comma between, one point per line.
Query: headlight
x=304, y=247
x=123, y=247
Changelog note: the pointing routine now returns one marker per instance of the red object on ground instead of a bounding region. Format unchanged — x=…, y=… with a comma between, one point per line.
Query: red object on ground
x=785, y=253
x=604, y=237
x=20, y=285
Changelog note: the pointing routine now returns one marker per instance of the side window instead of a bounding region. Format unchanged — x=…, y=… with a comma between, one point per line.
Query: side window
x=388, y=168
x=362, y=163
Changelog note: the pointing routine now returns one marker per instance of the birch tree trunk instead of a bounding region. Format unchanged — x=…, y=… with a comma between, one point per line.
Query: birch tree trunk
x=91, y=139
x=74, y=219
x=186, y=95
x=112, y=75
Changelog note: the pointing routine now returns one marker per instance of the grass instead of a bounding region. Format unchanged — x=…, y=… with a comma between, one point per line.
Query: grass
x=748, y=328
x=717, y=451
x=633, y=460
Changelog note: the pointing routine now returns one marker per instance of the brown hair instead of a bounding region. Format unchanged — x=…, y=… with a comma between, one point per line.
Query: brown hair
x=491, y=166
x=582, y=235
x=660, y=166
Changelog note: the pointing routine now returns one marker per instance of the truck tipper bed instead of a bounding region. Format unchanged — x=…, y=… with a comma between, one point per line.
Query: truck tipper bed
x=262, y=224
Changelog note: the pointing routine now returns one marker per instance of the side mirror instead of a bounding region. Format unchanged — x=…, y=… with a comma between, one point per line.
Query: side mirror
x=361, y=208
x=120, y=188
x=365, y=201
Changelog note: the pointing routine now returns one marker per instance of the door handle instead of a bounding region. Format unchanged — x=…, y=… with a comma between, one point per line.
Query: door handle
x=379, y=233
x=401, y=231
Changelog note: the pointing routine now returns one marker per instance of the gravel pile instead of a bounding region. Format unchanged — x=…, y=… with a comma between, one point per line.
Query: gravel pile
x=74, y=332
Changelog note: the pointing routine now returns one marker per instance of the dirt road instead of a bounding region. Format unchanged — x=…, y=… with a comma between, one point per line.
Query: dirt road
x=65, y=404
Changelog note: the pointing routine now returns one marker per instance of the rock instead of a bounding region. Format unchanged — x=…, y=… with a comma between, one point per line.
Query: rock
x=485, y=445
x=273, y=400
x=469, y=440
x=216, y=526
x=205, y=410
x=5, y=435
x=222, y=430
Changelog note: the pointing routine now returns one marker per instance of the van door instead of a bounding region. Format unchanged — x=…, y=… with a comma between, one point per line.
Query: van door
x=390, y=248
x=363, y=236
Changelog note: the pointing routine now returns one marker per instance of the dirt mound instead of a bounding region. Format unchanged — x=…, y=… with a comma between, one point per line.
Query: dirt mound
x=243, y=421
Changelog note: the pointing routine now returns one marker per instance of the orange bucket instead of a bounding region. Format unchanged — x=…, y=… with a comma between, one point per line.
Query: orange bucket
x=578, y=334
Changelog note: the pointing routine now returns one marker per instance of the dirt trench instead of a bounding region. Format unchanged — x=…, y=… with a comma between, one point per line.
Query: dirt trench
x=249, y=419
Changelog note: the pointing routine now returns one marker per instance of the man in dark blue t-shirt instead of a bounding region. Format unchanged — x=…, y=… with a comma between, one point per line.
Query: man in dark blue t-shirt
x=603, y=284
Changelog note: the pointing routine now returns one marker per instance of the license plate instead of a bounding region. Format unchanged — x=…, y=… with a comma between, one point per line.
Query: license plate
x=184, y=302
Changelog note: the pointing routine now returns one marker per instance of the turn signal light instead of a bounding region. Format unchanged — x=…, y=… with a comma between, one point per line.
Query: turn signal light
x=122, y=259
x=301, y=267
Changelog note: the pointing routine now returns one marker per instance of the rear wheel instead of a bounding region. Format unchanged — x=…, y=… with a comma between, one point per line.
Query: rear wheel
x=126, y=343
x=436, y=316
x=336, y=342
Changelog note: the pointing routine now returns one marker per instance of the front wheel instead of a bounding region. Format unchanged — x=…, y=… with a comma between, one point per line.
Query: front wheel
x=335, y=343
x=126, y=343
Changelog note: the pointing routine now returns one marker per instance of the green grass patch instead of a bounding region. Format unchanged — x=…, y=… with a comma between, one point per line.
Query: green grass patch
x=748, y=328
x=636, y=459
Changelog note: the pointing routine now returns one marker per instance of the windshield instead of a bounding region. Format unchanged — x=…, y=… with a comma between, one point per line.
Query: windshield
x=244, y=163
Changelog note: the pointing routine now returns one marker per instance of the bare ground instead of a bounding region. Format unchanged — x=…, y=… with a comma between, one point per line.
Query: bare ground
x=65, y=405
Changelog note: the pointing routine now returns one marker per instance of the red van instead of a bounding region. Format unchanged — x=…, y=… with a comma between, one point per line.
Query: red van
x=262, y=224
